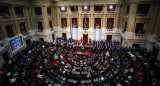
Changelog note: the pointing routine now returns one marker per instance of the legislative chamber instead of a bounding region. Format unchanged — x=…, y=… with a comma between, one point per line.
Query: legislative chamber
x=79, y=43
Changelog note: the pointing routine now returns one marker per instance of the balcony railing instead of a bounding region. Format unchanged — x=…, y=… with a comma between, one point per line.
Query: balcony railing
x=74, y=12
x=110, y=12
x=49, y=14
x=85, y=12
x=97, y=12
x=38, y=15
x=40, y=31
x=139, y=34
x=6, y=17
x=85, y=28
x=142, y=14
x=109, y=29
x=20, y=16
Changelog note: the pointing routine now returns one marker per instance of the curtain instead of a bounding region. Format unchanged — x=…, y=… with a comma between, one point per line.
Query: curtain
x=110, y=23
x=97, y=23
x=64, y=22
x=85, y=22
x=74, y=23
x=85, y=38
x=74, y=8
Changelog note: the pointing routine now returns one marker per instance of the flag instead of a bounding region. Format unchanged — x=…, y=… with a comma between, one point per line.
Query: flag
x=69, y=11
x=97, y=34
x=74, y=32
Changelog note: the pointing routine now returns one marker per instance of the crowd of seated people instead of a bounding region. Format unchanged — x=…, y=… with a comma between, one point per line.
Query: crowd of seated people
x=57, y=64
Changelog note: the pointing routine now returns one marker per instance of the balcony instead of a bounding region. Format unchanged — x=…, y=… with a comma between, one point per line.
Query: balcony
x=98, y=12
x=109, y=30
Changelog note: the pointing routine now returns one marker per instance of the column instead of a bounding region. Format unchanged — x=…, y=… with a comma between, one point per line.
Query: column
x=55, y=17
x=132, y=18
x=68, y=24
x=117, y=18
x=31, y=19
x=58, y=19
x=17, y=28
x=92, y=18
x=157, y=26
x=2, y=29
x=153, y=19
x=45, y=18
x=104, y=17
x=28, y=22
x=68, y=19
x=79, y=16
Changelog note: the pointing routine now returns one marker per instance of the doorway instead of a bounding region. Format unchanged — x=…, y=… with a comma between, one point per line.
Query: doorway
x=64, y=36
x=109, y=38
x=85, y=38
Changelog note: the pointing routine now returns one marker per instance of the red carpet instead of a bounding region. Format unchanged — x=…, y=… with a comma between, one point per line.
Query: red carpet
x=34, y=76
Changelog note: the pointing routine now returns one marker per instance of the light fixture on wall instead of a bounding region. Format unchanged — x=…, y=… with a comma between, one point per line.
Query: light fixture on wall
x=63, y=8
x=111, y=6
x=85, y=7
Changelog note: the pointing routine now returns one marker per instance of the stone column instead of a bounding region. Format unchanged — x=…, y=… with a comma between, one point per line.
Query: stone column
x=150, y=25
x=58, y=18
x=31, y=13
x=132, y=18
x=92, y=18
x=68, y=24
x=157, y=26
x=117, y=17
x=28, y=22
x=104, y=17
x=2, y=29
x=79, y=16
x=45, y=18
x=54, y=17
x=17, y=28
x=68, y=19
